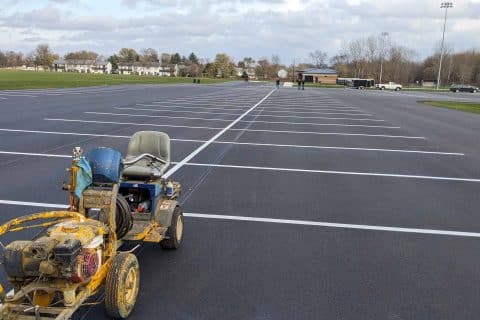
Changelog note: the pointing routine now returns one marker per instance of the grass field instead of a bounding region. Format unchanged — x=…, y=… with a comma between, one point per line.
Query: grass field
x=17, y=79
x=462, y=106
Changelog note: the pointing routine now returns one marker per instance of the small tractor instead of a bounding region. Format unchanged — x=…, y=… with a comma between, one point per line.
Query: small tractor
x=78, y=252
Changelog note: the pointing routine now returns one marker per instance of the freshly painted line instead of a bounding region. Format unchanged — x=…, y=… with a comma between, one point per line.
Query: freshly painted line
x=151, y=116
x=212, y=139
x=34, y=204
x=319, y=124
x=184, y=107
x=237, y=114
x=290, y=110
x=36, y=154
x=132, y=123
x=369, y=174
x=330, y=133
x=240, y=143
x=283, y=221
x=223, y=120
x=17, y=95
x=248, y=130
x=336, y=225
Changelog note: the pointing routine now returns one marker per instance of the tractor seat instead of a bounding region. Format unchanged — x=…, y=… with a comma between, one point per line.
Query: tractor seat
x=147, y=142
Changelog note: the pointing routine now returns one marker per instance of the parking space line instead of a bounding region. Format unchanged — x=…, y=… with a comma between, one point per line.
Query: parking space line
x=352, y=173
x=211, y=119
x=282, y=221
x=234, y=129
x=212, y=139
x=279, y=169
x=243, y=143
x=236, y=114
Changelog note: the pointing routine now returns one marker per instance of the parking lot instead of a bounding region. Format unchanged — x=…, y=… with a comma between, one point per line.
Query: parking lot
x=316, y=204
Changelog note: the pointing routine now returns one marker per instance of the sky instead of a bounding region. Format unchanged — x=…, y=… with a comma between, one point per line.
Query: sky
x=257, y=28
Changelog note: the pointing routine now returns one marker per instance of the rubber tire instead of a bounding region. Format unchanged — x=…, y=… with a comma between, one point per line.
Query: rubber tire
x=397, y=89
x=382, y=88
x=115, y=283
x=474, y=91
x=172, y=242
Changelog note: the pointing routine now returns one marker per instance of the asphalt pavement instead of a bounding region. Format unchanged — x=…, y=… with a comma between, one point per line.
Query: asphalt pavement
x=317, y=204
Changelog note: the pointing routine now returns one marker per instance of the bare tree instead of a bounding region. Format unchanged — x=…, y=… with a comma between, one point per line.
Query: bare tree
x=149, y=55
x=318, y=58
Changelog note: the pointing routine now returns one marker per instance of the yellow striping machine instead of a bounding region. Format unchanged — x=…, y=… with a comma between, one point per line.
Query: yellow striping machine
x=78, y=252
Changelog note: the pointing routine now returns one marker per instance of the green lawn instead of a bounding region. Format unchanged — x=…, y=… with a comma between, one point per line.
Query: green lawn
x=462, y=106
x=18, y=79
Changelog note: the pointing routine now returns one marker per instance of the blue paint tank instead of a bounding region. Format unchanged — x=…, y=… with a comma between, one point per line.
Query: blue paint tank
x=106, y=164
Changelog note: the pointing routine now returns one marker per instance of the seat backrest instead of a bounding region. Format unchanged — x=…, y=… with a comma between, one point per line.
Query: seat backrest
x=153, y=142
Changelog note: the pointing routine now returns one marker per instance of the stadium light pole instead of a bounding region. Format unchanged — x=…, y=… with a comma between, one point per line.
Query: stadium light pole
x=444, y=5
x=384, y=36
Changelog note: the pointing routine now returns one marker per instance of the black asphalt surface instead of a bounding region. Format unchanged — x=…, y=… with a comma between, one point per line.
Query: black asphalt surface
x=289, y=160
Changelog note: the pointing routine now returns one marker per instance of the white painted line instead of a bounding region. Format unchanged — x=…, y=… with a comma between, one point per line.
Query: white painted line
x=283, y=221
x=184, y=107
x=337, y=225
x=133, y=124
x=223, y=120
x=49, y=155
x=229, y=166
x=240, y=143
x=212, y=139
x=368, y=174
x=17, y=95
x=247, y=130
x=237, y=114
x=320, y=124
x=34, y=204
x=152, y=116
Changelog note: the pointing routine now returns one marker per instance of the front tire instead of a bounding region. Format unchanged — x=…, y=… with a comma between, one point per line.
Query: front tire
x=121, y=285
x=382, y=88
x=175, y=231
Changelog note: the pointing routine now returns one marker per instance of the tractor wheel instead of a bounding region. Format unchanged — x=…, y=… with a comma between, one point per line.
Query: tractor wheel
x=175, y=231
x=121, y=286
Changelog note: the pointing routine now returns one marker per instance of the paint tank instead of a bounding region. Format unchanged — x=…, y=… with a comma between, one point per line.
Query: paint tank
x=106, y=164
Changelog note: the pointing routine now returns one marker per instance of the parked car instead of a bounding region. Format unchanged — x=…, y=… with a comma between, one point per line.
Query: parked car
x=463, y=88
x=389, y=86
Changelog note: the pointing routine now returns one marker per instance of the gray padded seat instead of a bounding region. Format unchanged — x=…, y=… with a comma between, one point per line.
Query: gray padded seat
x=152, y=142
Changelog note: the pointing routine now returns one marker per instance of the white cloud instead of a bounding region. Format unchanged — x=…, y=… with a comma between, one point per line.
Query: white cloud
x=289, y=28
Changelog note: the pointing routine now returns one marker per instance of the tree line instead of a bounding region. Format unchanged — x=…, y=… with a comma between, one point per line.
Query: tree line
x=362, y=58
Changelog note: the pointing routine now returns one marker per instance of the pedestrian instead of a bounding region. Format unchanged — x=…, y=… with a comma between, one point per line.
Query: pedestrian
x=303, y=84
x=278, y=83
x=299, y=82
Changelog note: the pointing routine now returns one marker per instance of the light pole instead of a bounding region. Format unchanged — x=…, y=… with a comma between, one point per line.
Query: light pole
x=444, y=5
x=384, y=36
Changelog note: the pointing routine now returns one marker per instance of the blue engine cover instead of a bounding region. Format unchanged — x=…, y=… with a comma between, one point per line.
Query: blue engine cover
x=106, y=165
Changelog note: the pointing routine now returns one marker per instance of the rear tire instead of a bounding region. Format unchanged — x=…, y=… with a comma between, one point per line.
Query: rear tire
x=474, y=91
x=382, y=88
x=174, y=232
x=121, y=285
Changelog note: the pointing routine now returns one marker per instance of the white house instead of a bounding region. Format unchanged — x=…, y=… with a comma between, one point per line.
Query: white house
x=82, y=66
x=148, y=69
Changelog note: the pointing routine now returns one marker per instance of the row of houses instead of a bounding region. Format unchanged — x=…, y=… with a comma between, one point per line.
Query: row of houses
x=103, y=66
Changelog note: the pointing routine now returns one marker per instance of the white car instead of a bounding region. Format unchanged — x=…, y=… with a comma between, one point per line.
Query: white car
x=389, y=86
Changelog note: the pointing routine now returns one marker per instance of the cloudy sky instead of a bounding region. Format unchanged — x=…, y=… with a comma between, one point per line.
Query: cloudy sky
x=289, y=28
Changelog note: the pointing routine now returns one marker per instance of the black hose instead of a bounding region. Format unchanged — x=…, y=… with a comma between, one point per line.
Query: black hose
x=124, y=221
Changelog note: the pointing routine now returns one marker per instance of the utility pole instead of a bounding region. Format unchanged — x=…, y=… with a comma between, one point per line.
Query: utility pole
x=382, y=53
x=444, y=5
